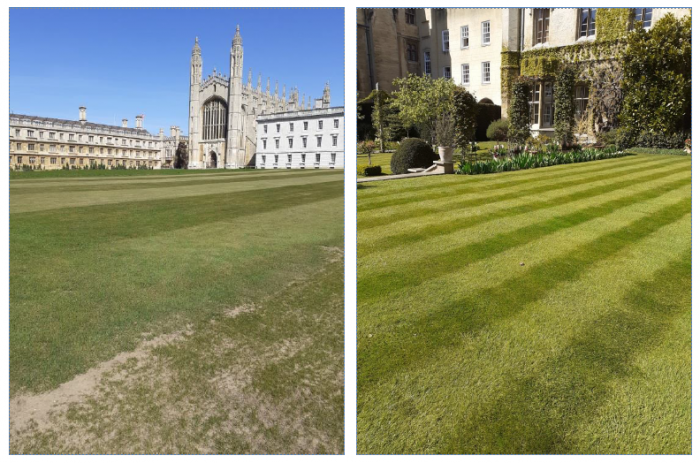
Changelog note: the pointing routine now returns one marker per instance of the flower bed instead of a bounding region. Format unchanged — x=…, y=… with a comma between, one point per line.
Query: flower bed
x=526, y=160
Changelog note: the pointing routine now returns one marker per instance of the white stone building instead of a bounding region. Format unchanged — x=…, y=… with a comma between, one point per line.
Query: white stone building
x=302, y=139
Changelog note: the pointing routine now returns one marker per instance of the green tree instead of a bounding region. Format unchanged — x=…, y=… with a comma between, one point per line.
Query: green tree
x=656, y=81
x=519, y=113
x=465, y=114
x=564, y=110
x=420, y=100
x=181, y=156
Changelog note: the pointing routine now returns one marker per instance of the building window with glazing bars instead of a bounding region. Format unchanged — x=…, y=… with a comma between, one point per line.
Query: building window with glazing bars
x=426, y=59
x=446, y=40
x=643, y=15
x=486, y=72
x=214, y=120
x=411, y=51
x=535, y=104
x=581, y=99
x=541, y=21
x=465, y=74
x=486, y=33
x=447, y=72
x=464, y=37
x=410, y=15
x=586, y=22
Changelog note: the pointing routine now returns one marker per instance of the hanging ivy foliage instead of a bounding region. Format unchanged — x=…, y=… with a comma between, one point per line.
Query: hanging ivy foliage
x=564, y=107
x=519, y=114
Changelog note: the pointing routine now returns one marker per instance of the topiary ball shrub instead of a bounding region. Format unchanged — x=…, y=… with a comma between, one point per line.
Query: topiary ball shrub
x=412, y=153
x=498, y=130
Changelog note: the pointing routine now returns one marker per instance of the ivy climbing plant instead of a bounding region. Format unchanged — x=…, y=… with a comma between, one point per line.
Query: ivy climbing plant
x=564, y=107
x=519, y=115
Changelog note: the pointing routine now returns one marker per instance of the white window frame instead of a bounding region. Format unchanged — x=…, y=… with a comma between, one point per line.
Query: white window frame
x=485, y=34
x=446, y=40
x=447, y=72
x=484, y=66
x=465, y=67
x=464, y=34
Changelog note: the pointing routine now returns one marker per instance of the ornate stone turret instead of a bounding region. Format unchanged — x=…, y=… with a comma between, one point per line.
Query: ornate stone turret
x=267, y=90
x=327, y=96
x=193, y=127
x=250, y=77
x=259, y=82
x=277, y=90
x=235, y=156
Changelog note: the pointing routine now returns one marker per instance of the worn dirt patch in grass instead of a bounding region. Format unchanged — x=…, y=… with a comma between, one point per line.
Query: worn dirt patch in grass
x=263, y=377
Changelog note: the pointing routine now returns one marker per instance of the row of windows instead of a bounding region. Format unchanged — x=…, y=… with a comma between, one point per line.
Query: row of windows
x=80, y=138
x=81, y=150
x=464, y=36
x=336, y=124
x=587, y=18
x=485, y=73
x=290, y=140
x=71, y=161
x=303, y=158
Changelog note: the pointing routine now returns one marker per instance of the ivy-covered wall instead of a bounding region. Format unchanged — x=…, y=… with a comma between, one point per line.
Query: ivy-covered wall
x=510, y=69
x=613, y=23
x=548, y=62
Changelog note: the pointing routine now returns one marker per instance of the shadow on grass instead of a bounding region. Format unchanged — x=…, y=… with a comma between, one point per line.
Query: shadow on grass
x=419, y=340
x=541, y=410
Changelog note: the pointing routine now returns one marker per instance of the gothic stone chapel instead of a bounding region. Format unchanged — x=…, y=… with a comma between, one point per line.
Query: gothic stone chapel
x=222, y=128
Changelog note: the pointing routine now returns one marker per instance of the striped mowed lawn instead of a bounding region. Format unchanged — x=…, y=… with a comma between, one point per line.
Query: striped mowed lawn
x=185, y=313
x=540, y=311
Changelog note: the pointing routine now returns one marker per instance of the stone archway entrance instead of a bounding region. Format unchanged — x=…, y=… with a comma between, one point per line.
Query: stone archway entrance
x=212, y=161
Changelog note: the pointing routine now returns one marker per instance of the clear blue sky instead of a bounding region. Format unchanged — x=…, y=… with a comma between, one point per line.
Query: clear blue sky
x=123, y=62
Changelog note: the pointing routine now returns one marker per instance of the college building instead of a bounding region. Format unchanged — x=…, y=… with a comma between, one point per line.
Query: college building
x=49, y=143
x=484, y=49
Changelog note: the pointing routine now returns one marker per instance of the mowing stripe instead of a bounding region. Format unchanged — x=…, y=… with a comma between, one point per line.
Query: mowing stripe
x=132, y=197
x=425, y=184
x=445, y=324
x=411, y=274
x=431, y=230
x=438, y=206
x=43, y=230
x=106, y=187
x=495, y=184
x=583, y=377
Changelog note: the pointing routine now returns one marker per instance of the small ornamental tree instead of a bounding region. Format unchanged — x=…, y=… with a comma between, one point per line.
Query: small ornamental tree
x=656, y=80
x=420, y=100
x=465, y=112
x=380, y=112
x=564, y=109
x=519, y=114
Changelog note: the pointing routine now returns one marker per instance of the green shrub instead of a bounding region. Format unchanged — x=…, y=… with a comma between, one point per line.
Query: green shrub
x=626, y=138
x=498, y=130
x=564, y=110
x=519, y=116
x=369, y=171
x=412, y=153
x=391, y=146
x=607, y=138
x=486, y=114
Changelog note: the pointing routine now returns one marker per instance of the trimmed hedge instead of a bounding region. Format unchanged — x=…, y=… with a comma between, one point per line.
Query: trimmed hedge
x=486, y=114
x=534, y=161
x=412, y=153
x=369, y=171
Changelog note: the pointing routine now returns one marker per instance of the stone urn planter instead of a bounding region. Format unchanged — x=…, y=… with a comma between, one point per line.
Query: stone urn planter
x=445, y=153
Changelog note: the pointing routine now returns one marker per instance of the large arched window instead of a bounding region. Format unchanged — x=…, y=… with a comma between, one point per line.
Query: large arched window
x=214, y=120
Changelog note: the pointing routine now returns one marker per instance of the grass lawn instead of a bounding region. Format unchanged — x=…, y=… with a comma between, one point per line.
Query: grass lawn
x=177, y=313
x=539, y=311
x=384, y=159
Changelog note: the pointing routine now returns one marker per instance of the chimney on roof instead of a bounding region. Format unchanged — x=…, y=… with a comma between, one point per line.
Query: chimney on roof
x=173, y=130
x=125, y=123
x=139, y=121
x=83, y=115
